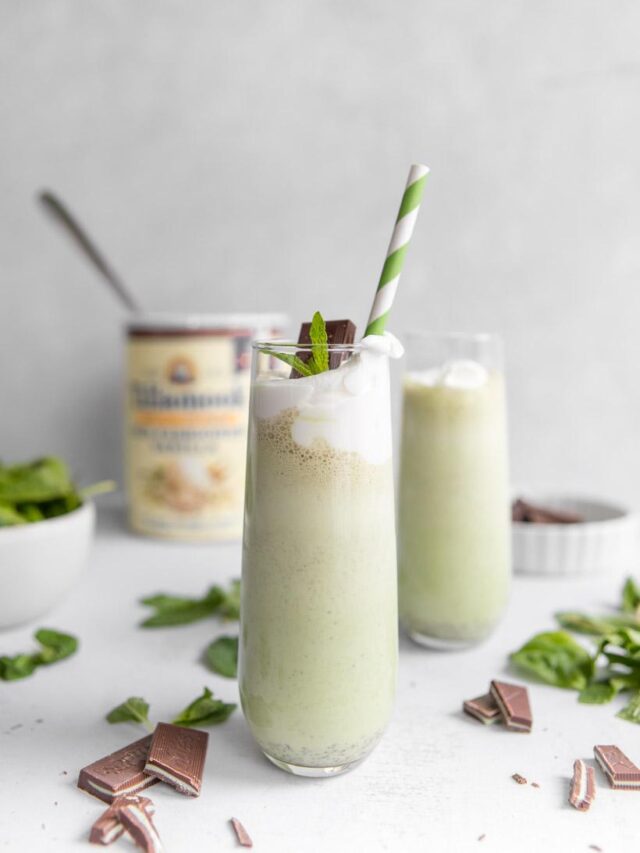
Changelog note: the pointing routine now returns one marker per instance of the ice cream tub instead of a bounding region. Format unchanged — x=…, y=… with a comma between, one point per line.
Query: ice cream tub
x=186, y=413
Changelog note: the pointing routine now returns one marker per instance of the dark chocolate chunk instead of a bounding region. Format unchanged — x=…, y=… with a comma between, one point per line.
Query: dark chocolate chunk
x=338, y=332
x=583, y=786
x=483, y=708
x=620, y=771
x=513, y=702
x=176, y=756
x=117, y=774
x=525, y=512
x=519, y=779
x=108, y=828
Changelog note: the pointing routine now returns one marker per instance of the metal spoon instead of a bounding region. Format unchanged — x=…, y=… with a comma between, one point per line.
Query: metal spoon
x=61, y=213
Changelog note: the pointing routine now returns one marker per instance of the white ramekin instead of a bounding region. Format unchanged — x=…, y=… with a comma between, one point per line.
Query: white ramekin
x=607, y=542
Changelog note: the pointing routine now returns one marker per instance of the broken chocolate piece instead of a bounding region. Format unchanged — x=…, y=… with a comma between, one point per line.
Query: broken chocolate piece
x=176, y=756
x=513, y=701
x=338, y=332
x=583, y=786
x=483, y=708
x=620, y=771
x=244, y=839
x=519, y=779
x=138, y=823
x=108, y=828
x=525, y=512
x=117, y=774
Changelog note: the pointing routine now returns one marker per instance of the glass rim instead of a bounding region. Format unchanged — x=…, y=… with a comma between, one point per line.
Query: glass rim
x=475, y=337
x=285, y=345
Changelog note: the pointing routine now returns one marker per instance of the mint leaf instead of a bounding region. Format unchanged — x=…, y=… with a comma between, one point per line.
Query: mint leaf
x=204, y=711
x=132, y=710
x=555, y=658
x=319, y=344
x=177, y=610
x=19, y=666
x=293, y=361
x=599, y=693
x=222, y=656
x=55, y=646
x=631, y=711
x=596, y=626
x=630, y=597
x=230, y=606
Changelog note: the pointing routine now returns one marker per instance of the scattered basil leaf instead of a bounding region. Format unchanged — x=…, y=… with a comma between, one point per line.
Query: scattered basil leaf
x=555, y=658
x=132, y=710
x=204, y=711
x=55, y=646
x=175, y=610
x=222, y=656
x=598, y=694
x=319, y=344
x=630, y=597
x=631, y=710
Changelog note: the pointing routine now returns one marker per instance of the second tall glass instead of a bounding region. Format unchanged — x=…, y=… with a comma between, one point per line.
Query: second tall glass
x=453, y=525
x=318, y=643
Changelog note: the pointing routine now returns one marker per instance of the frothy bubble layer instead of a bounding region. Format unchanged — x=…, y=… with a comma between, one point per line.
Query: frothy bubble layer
x=462, y=374
x=347, y=407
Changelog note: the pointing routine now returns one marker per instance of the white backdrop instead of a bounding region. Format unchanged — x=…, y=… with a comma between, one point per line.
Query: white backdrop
x=251, y=156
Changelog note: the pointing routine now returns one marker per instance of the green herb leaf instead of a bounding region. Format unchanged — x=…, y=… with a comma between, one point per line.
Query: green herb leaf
x=596, y=626
x=319, y=343
x=9, y=516
x=35, y=482
x=132, y=710
x=204, y=711
x=630, y=597
x=631, y=711
x=599, y=693
x=555, y=658
x=19, y=666
x=293, y=361
x=54, y=647
x=222, y=656
x=173, y=610
x=31, y=512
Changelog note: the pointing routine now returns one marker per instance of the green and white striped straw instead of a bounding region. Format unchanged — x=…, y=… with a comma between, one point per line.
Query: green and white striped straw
x=405, y=223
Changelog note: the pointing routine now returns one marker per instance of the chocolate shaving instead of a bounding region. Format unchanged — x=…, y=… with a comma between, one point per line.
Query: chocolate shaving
x=583, y=786
x=244, y=839
x=519, y=779
x=138, y=823
x=108, y=827
x=527, y=513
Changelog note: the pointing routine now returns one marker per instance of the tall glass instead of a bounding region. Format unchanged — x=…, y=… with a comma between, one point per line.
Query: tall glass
x=318, y=644
x=453, y=523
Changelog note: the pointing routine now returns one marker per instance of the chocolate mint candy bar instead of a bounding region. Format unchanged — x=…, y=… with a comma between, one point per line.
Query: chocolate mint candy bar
x=176, y=756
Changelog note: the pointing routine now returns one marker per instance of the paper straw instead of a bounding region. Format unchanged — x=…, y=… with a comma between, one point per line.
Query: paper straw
x=405, y=223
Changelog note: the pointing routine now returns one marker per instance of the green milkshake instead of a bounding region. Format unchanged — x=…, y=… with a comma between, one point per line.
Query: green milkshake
x=318, y=643
x=453, y=524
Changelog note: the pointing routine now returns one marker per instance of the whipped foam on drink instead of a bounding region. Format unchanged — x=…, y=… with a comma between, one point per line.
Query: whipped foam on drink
x=461, y=373
x=346, y=407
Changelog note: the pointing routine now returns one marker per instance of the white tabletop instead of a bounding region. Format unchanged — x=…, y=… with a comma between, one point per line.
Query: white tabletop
x=437, y=782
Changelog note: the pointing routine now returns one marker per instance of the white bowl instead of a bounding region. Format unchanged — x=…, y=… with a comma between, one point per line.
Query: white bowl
x=605, y=543
x=41, y=562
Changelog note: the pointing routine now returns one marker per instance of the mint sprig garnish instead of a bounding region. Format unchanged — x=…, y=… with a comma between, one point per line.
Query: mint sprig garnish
x=54, y=646
x=318, y=361
x=599, y=673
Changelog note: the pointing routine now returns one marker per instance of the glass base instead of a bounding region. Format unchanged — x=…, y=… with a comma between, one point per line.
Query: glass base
x=442, y=645
x=314, y=772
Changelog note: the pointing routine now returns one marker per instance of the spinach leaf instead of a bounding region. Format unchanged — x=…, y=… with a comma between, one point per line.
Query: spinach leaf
x=630, y=597
x=35, y=482
x=555, y=658
x=204, y=711
x=9, y=516
x=580, y=623
x=222, y=656
x=599, y=693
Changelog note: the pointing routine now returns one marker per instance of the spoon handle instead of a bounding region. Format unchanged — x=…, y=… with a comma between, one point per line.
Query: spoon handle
x=88, y=247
